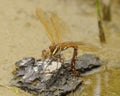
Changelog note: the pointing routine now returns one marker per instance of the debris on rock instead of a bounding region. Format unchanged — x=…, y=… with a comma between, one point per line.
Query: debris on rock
x=50, y=77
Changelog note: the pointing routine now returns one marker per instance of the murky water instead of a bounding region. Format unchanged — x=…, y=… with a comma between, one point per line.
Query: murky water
x=22, y=35
x=104, y=83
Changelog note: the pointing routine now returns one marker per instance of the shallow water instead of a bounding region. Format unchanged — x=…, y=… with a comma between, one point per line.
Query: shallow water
x=104, y=83
x=22, y=35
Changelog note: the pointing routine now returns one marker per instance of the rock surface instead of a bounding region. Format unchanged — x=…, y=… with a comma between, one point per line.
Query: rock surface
x=50, y=76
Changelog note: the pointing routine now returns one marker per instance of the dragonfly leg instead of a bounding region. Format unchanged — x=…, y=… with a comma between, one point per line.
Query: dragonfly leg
x=73, y=63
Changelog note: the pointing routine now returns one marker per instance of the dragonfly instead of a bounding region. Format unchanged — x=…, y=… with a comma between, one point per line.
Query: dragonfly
x=55, y=28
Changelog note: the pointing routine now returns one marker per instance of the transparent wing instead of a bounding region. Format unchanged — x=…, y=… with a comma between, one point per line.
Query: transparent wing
x=60, y=27
x=55, y=27
x=86, y=46
x=82, y=46
x=45, y=20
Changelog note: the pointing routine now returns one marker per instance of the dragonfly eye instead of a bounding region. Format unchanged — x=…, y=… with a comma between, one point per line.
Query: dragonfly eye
x=51, y=48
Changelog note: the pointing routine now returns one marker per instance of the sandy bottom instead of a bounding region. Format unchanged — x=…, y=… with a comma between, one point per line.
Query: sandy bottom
x=22, y=35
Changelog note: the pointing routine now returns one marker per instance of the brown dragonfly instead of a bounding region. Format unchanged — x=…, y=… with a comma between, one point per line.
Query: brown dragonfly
x=55, y=28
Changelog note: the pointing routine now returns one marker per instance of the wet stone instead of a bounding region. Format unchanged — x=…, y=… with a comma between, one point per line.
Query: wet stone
x=51, y=77
x=87, y=62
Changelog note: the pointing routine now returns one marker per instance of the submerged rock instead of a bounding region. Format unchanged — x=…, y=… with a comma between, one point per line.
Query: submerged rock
x=51, y=77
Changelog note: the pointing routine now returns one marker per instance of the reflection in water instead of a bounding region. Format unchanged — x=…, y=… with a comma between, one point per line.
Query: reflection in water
x=106, y=77
x=97, y=88
x=104, y=83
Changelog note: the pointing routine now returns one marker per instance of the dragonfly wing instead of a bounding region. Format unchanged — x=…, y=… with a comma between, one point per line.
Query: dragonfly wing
x=55, y=27
x=86, y=46
x=45, y=20
x=60, y=27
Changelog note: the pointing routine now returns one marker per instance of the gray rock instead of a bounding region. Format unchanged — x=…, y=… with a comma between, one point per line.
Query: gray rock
x=87, y=62
x=50, y=77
